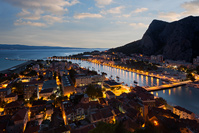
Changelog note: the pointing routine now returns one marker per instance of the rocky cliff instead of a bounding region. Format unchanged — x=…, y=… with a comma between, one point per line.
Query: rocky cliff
x=177, y=40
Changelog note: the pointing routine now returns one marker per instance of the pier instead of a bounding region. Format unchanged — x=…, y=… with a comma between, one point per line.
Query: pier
x=167, y=86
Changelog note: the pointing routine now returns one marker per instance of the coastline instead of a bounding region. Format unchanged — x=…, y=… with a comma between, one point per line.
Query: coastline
x=16, y=68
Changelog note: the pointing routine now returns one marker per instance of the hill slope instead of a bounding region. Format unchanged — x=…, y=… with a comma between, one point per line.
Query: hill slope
x=177, y=40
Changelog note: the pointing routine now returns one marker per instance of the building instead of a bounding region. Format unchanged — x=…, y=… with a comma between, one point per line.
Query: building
x=50, y=84
x=20, y=120
x=110, y=95
x=111, y=84
x=12, y=107
x=156, y=59
x=64, y=72
x=196, y=60
x=183, y=113
x=11, y=97
x=36, y=67
x=33, y=83
x=30, y=90
x=70, y=113
x=104, y=114
x=4, y=92
x=67, y=85
x=86, y=80
x=45, y=93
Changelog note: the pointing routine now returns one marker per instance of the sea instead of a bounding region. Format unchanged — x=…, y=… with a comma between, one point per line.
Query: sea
x=8, y=57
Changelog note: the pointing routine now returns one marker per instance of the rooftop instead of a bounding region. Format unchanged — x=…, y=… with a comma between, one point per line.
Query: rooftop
x=14, y=104
x=49, y=84
x=20, y=115
x=110, y=93
x=11, y=95
x=49, y=90
x=183, y=109
x=66, y=80
x=5, y=89
x=111, y=83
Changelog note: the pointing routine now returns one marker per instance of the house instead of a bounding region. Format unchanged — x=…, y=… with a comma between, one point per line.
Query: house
x=70, y=113
x=86, y=80
x=50, y=84
x=102, y=101
x=104, y=114
x=45, y=93
x=20, y=119
x=11, y=97
x=33, y=83
x=64, y=72
x=110, y=95
x=111, y=84
x=12, y=107
x=67, y=85
x=29, y=90
x=4, y=92
x=183, y=113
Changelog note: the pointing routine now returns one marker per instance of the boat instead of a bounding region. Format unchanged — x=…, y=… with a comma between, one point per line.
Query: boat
x=135, y=82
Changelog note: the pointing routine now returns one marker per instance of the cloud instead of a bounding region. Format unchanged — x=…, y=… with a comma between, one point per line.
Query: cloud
x=138, y=25
x=52, y=19
x=51, y=6
x=37, y=24
x=49, y=11
x=190, y=8
x=102, y=3
x=87, y=15
x=171, y=16
x=25, y=14
x=116, y=10
x=73, y=2
x=139, y=10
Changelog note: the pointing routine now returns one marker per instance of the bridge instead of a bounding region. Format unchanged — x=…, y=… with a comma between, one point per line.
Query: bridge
x=166, y=86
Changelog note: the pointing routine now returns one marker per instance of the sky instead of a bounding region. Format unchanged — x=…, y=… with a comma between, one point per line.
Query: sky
x=85, y=23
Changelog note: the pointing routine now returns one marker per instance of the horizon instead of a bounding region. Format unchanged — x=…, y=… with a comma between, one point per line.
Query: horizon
x=85, y=24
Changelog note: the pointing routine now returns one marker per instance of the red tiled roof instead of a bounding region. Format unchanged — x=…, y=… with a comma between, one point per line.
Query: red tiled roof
x=110, y=93
x=33, y=129
x=183, y=109
x=14, y=104
x=97, y=116
x=20, y=115
x=11, y=95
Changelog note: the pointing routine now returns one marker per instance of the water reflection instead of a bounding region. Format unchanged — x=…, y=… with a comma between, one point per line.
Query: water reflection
x=186, y=97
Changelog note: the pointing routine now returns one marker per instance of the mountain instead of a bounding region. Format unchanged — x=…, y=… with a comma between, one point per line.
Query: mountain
x=178, y=40
x=18, y=46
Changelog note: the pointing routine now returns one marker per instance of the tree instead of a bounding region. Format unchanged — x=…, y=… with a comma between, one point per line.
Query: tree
x=191, y=77
x=93, y=92
x=41, y=77
x=72, y=73
x=18, y=87
x=103, y=127
x=52, y=96
x=161, y=101
x=197, y=69
x=32, y=73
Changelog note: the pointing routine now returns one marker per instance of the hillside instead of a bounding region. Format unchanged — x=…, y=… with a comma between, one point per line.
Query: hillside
x=177, y=40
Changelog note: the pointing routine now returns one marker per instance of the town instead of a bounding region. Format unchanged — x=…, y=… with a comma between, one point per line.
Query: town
x=56, y=95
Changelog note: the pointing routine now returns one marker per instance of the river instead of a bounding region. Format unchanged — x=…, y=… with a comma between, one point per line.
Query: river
x=187, y=97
